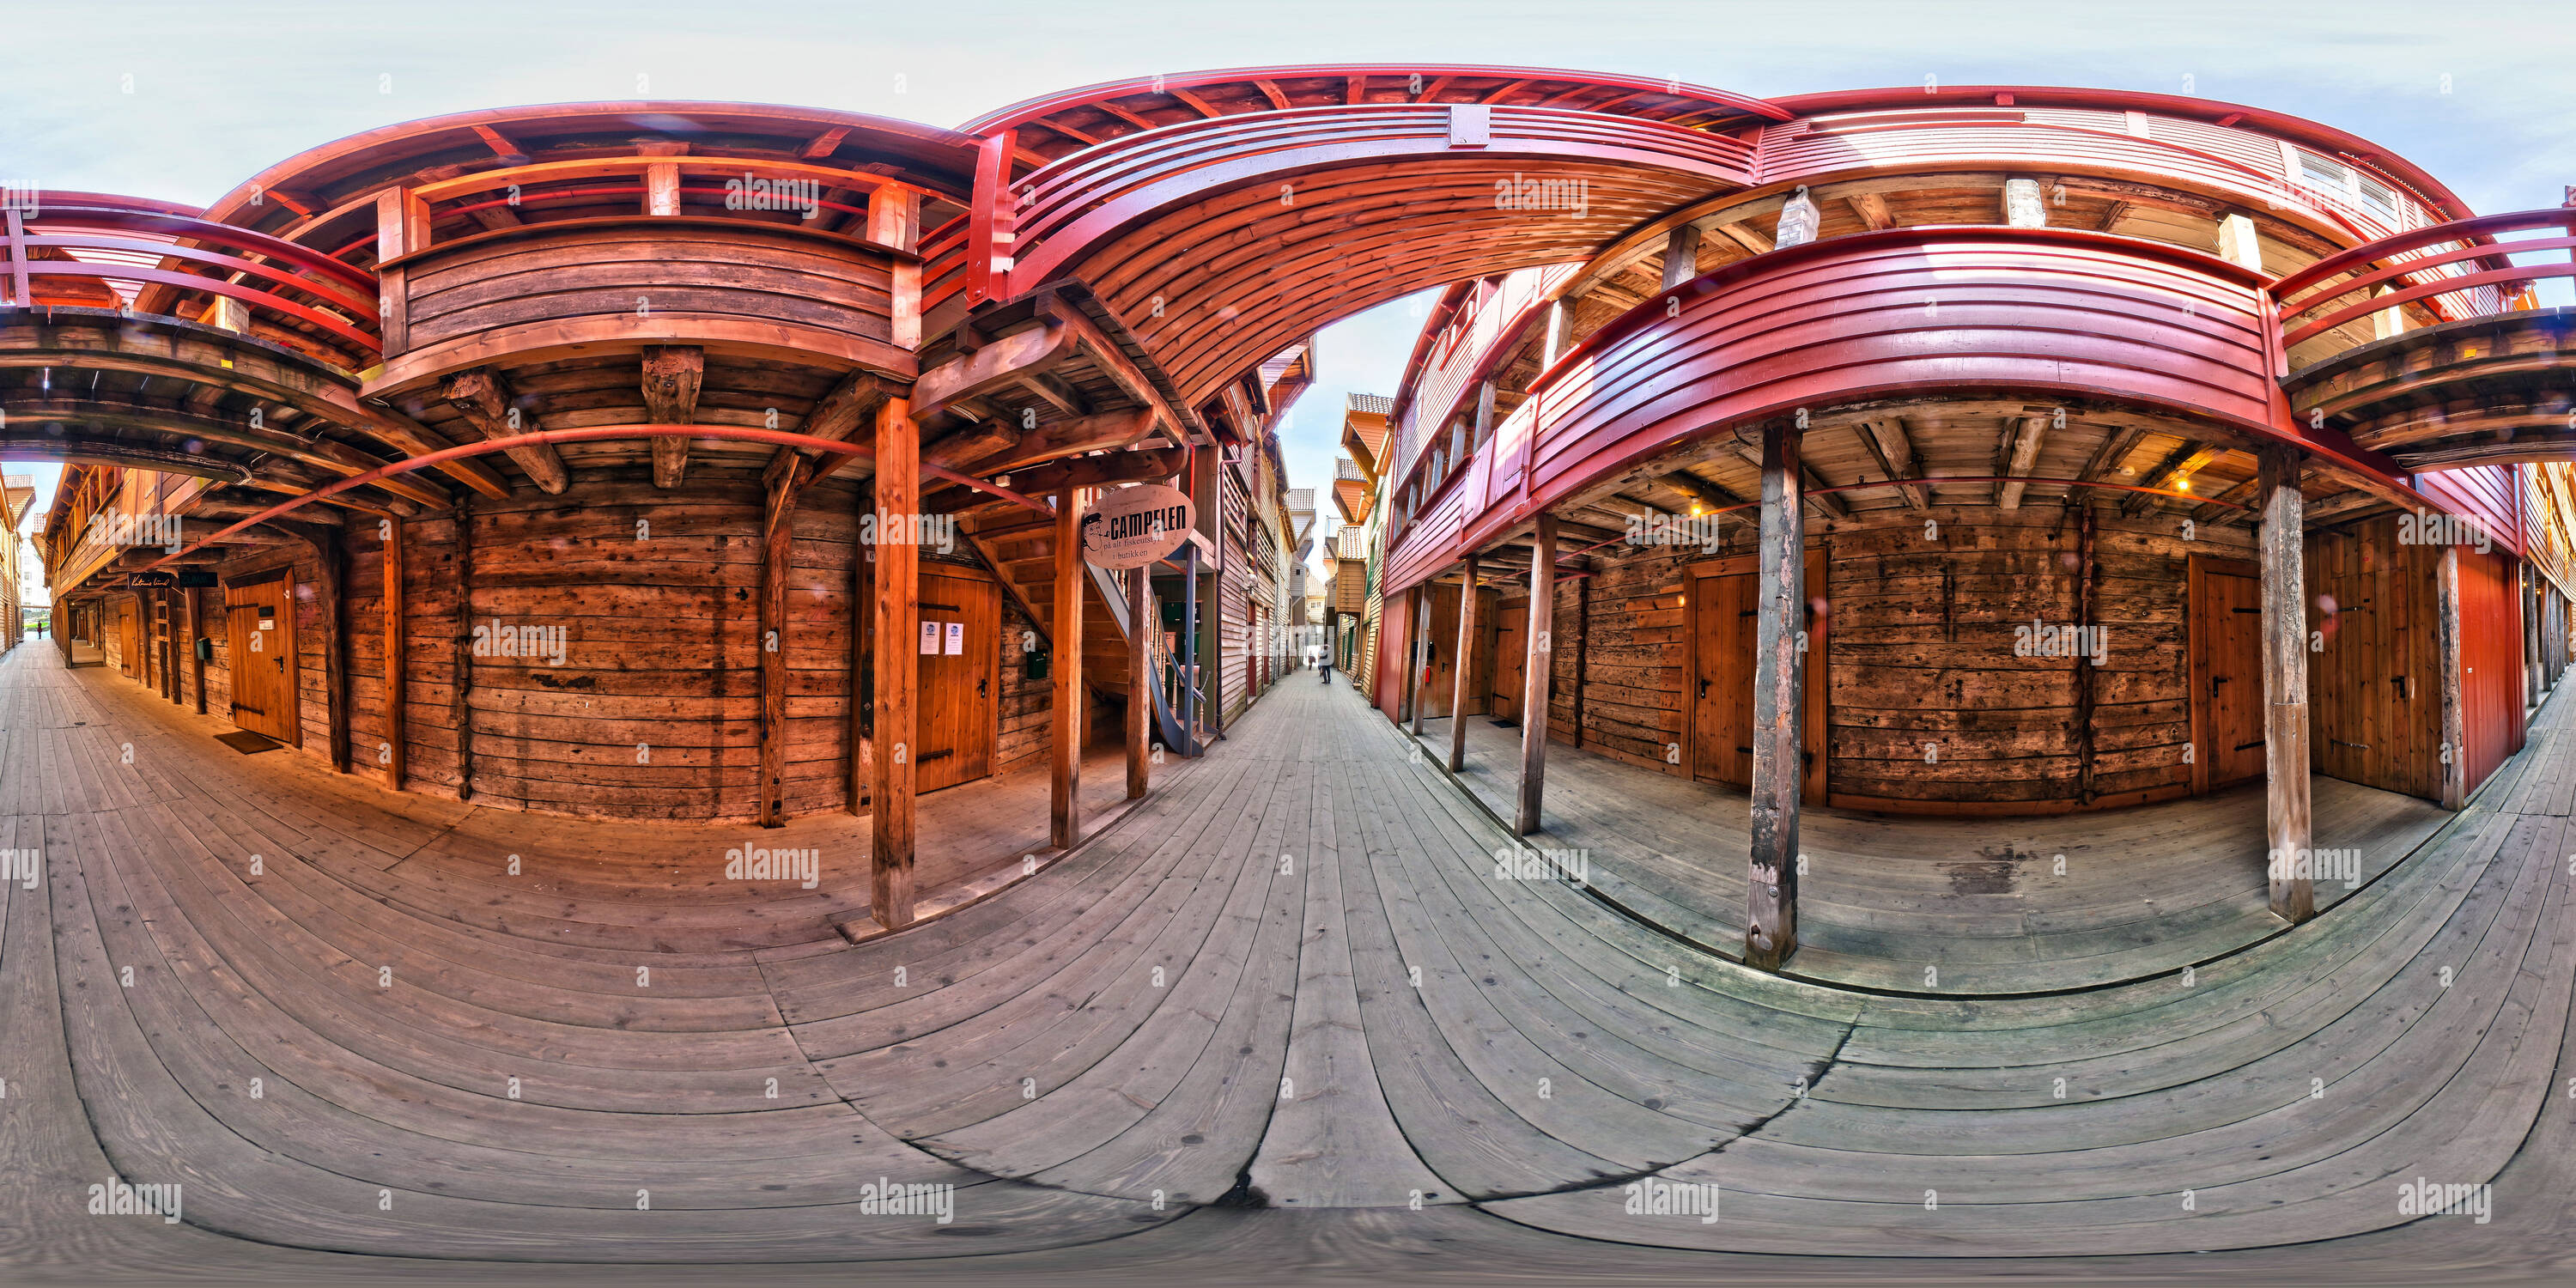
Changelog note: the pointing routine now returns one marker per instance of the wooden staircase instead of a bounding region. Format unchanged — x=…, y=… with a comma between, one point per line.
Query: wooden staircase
x=1020, y=546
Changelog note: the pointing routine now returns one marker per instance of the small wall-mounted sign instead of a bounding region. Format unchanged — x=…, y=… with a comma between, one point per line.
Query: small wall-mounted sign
x=1131, y=527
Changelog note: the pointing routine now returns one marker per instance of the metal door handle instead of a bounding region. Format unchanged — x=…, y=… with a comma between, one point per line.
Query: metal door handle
x=1703, y=690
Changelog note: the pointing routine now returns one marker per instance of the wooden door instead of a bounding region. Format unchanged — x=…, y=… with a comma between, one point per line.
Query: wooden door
x=1440, y=682
x=2491, y=645
x=1723, y=613
x=1511, y=657
x=261, y=618
x=2227, y=670
x=129, y=637
x=953, y=740
x=1724, y=610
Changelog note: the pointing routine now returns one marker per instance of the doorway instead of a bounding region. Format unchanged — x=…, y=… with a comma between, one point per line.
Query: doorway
x=1511, y=658
x=961, y=617
x=2226, y=671
x=1723, y=606
x=261, y=621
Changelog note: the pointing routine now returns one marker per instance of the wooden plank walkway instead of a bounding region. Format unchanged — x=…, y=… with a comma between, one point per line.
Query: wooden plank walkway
x=1953, y=906
x=1284, y=1014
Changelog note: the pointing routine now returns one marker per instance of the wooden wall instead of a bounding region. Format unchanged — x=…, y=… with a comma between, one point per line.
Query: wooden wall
x=629, y=268
x=2375, y=695
x=1234, y=595
x=1920, y=648
x=660, y=643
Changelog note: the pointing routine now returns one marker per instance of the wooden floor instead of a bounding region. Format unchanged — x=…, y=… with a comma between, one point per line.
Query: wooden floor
x=1237, y=1034
x=1943, y=906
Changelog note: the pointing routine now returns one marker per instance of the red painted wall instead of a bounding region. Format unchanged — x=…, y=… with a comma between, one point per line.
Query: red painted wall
x=2492, y=493
x=1394, y=645
x=2491, y=662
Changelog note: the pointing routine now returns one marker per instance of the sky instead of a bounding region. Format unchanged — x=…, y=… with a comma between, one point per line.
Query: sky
x=184, y=100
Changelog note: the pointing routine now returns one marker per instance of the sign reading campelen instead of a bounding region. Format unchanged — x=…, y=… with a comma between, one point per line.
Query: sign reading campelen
x=1131, y=527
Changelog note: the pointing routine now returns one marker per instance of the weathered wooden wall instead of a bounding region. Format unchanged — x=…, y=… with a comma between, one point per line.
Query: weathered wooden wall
x=1921, y=649
x=750, y=273
x=2375, y=691
x=660, y=646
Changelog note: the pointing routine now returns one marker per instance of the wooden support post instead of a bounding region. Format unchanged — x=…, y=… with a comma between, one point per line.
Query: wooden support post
x=1421, y=657
x=2446, y=636
x=1582, y=651
x=672, y=374
x=1466, y=652
x=2237, y=243
x=894, y=219
x=461, y=665
x=777, y=533
x=1064, y=814
x=1779, y=701
x=397, y=756
x=1681, y=256
x=402, y=226
x=1537, y=673
x=165, y=624
x=196, y=662
x=1554, y=343
x=863, y=617
x=1140, y=679
x=890, y=834
x=2087, y=676
x=2285, y=684
x=662, y=188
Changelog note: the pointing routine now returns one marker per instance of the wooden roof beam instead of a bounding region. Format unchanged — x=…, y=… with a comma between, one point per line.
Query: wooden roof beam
x=483, y=399
x=2177, y=465
x=1872, y=209
x=1114, y=363
x=1890, y=446
x=2225, y=505
x=1194, y=102
x=504, y=148
x=2023, y=453
x=1748, y=237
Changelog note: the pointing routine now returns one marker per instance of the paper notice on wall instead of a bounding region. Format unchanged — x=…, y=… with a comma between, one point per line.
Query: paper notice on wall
x=956, y=638
x=930, y=638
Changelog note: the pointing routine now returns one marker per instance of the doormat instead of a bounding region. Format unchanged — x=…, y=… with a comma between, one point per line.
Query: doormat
x=1507, y=723
x=248, y=743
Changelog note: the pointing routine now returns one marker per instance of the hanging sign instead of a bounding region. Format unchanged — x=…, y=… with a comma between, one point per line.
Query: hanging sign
x=1131, y=527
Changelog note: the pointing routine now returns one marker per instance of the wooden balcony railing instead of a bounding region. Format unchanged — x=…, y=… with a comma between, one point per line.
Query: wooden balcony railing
x=98, y=251
x=2458, y=269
